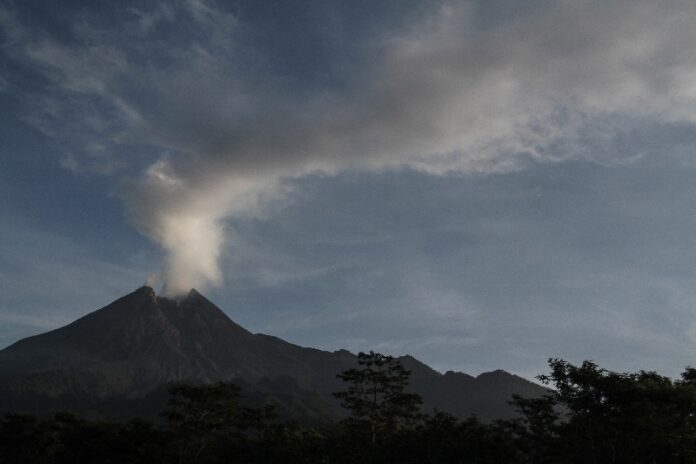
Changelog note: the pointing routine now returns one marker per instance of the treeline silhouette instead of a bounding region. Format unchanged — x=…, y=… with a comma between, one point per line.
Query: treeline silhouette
x=590, y=415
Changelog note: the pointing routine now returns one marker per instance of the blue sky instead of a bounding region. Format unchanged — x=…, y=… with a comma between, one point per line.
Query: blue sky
x=479, y=184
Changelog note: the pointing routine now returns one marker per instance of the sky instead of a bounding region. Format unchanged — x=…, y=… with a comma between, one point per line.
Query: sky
x=480, y=184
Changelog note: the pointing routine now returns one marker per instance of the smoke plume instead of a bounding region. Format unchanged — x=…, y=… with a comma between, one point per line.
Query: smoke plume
x=206, y=128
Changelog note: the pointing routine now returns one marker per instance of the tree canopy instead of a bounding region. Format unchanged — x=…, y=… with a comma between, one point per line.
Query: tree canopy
x=589, y=416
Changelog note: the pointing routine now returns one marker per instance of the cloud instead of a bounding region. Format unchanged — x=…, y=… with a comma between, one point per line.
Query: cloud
x=450, y=92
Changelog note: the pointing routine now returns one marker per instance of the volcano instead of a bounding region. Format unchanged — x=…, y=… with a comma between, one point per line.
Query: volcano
x=117, y=362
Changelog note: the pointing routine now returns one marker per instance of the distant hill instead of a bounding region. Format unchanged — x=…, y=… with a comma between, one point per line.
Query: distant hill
x=117, y=362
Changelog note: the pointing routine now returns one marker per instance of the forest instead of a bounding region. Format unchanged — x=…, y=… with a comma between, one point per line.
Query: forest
x=589, y=415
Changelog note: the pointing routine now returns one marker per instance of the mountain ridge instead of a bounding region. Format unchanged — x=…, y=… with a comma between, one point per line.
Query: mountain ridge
x=132, y=348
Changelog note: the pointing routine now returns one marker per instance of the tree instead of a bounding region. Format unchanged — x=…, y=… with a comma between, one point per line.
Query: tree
x=202, y=416
x=26, y=439
x=535, y=431
x=615, y=417
x=376, y=393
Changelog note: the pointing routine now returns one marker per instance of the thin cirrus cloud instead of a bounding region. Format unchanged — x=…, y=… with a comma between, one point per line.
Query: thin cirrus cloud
x=183, y=106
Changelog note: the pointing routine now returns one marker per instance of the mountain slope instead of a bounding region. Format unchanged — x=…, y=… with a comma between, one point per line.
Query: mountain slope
x=119, y=359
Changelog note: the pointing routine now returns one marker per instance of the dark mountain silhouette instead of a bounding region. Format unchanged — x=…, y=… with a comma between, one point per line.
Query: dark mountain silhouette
x=118, y=360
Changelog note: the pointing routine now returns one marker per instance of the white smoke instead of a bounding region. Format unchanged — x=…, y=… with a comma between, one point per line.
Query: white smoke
x=187, y=221
x=444, y=95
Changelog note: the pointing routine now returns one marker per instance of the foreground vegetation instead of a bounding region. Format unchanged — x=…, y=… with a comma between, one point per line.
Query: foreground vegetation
x=589, y=416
